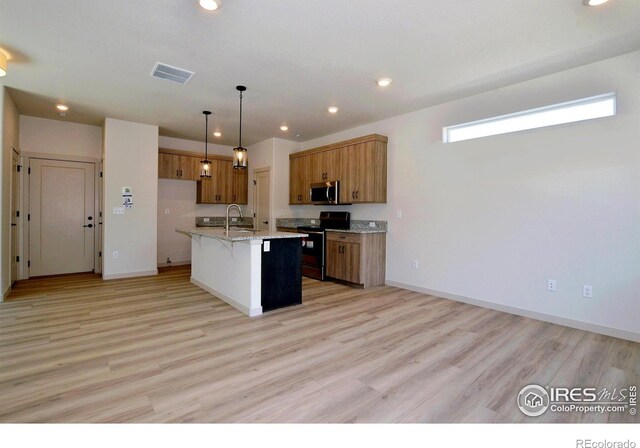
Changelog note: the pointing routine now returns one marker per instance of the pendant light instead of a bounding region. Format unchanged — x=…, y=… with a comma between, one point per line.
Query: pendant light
x=240, y=153
x=205, y=165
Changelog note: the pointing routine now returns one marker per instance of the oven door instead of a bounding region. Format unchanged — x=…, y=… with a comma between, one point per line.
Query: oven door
x=313, y=255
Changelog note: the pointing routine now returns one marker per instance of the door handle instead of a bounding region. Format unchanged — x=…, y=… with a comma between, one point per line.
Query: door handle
x=88, y=225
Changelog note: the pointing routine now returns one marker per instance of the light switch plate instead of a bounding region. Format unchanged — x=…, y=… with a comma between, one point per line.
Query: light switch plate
x=118, y=210
x=267, y=246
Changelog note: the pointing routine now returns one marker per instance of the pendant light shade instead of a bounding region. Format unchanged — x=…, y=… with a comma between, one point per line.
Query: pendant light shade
x=3, y=63
x=240, y=153
x=205, y=165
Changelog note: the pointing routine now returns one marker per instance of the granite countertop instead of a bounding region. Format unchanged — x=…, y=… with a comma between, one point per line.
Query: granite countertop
x=239, y=234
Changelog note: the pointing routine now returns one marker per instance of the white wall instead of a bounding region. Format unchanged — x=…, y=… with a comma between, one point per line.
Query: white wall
x=10, y=138
x=179, y=197
x=55, y=137
x=491, y=219
x=130, y=160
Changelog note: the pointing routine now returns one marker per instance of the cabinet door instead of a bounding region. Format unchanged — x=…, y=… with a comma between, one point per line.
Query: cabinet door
x=334, y=261
x=240, y=186
x=323, y=167
x=224, y=182
x=343, y=261
x=190, y=167
x=349, y=160
x=299, y=180
x=168, y=166
x=207, y=190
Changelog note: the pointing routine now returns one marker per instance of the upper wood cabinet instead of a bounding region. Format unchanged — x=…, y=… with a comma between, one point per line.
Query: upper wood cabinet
x=240, y=186
x=225, y=186
x=359, y=164
x=299, y=180
x=174, y=166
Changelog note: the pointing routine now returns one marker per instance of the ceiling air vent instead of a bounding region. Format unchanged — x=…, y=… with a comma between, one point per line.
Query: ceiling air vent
x=170, y=73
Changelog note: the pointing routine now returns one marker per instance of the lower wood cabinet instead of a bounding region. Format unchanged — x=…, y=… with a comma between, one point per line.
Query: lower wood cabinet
x=358, y=258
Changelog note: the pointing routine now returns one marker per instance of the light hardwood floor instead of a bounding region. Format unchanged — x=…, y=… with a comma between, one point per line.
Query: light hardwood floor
x=158, y=349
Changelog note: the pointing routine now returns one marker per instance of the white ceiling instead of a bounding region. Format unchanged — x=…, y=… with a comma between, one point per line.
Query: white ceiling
x=295, y=56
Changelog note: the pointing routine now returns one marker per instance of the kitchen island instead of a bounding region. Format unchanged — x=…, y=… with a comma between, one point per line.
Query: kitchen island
x=251, y=270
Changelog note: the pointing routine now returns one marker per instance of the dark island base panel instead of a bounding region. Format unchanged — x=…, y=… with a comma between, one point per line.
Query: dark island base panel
x=281, y=274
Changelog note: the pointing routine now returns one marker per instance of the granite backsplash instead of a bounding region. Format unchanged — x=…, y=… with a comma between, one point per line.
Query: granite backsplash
x=220, y=221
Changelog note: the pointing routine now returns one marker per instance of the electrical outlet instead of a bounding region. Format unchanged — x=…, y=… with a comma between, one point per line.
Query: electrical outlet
x=115, y=254
x=118, y=210
x=234, y=219
x=551, y=285
x=399, y=214
x=313, y=221
x=166, y=211
x=372, y=224
x=206, y=220
x=587, y=291
x=267, y=246
x=414, y=264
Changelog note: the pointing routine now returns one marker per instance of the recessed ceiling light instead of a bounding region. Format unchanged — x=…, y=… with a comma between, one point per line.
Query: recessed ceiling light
x=210, y=5
x=62, y=107
x=284, y=128
x=594, y=2
x=333, y=110
x=384, y=82
x=217, y=134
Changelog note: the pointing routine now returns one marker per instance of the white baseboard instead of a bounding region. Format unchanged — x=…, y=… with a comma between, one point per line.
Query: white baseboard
x=251, y=312
x=174, y=263
x=5, y=294
x=129, y=274
x=580, y=325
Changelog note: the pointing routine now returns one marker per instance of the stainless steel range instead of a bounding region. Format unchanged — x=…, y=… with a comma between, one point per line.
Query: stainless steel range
x=313, y=246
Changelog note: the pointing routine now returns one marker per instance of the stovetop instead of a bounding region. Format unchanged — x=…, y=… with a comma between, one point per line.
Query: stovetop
x=310, y=228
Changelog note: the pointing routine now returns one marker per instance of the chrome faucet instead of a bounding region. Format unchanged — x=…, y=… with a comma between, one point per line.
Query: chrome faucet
x=229, y=208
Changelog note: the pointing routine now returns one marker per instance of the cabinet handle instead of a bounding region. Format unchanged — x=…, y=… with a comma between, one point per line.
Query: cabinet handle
x=177, y=173
x=180, y=173
x=357, y=193
x=353, y=195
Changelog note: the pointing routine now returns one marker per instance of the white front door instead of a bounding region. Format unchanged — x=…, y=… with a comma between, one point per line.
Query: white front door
x=262, y=198
x=63, y=223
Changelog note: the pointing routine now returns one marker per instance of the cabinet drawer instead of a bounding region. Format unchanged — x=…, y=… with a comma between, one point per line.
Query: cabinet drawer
x=344, y=237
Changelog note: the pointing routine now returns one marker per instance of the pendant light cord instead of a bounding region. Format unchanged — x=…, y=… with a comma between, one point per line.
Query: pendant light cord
x=240, y=136
x=206, y=134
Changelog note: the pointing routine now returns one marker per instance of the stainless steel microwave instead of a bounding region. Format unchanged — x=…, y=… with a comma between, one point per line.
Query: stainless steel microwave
x=325, y=193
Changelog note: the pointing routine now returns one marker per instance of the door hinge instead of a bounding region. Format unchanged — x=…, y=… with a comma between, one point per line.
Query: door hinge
x=17, y=213
x=255, y=183
x=100, y=254
x=28, y=216
x=100, y=173
x=18, y=259
x=29, y=170
x=19, y=167
x=254, y=215
x=29, y=263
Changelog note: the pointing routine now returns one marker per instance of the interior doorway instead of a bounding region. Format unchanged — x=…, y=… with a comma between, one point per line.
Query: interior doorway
x=15, y=214
x=262, y=198
x=62, y=225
